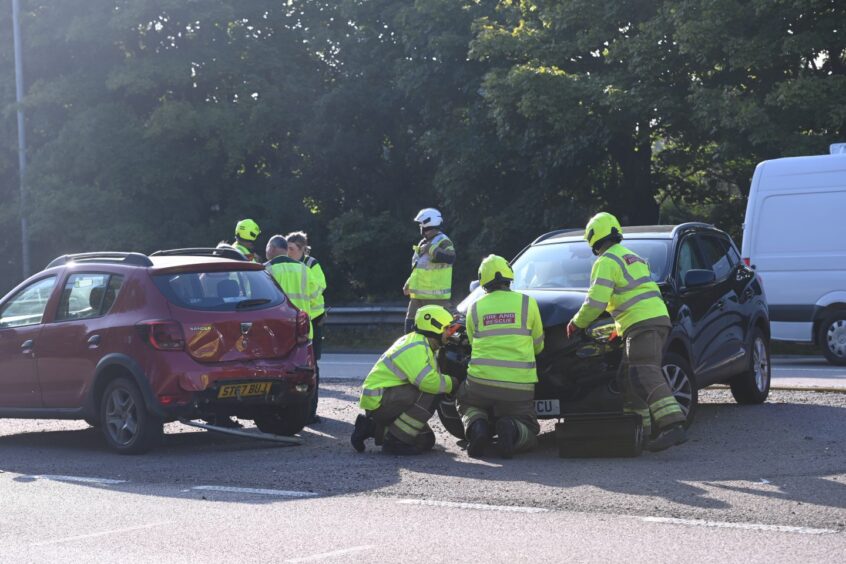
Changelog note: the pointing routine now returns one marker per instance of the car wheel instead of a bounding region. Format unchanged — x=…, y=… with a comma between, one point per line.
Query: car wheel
x=753, y=385
x=287, y=421
x=680, y=378
x=832, y=337
x=448, y=414
x=129, y=428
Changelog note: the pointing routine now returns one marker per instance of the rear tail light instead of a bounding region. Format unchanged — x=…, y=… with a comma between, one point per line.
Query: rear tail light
x=163, y=335
x=303, y=327
x=746, y=261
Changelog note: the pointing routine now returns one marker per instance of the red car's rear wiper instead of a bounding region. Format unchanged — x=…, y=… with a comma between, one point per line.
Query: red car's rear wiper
x=252, y=303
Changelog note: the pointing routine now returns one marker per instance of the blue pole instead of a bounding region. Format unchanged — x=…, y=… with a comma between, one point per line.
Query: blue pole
x=19, y=95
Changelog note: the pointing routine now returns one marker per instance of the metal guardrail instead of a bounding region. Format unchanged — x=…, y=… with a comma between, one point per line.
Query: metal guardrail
x=366, y=315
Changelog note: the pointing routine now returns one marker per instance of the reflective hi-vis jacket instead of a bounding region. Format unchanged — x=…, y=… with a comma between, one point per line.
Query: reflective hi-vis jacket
x=410, y=360
x=318, y=307
x=506, y=332
x=294, y=279
x=431, y=279
x=620, y=283
x=251, y=256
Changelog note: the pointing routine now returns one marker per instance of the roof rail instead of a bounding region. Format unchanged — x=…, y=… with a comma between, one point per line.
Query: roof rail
x=222, y=252
x=545, y=236
x=135, y=259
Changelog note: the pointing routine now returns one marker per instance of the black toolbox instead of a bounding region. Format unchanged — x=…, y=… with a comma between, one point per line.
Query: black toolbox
x=599, y=435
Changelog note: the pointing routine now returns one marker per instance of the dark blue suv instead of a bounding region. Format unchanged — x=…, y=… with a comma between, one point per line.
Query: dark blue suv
x=720, y=334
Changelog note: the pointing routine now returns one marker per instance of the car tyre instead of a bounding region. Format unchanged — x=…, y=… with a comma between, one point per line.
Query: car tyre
x=753, y=385
x=831, y=336
x=680, y=378
x=127, y=424
x=286, y=421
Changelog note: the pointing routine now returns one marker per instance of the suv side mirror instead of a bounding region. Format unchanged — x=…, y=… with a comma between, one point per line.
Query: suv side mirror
x=474, y=284
x=698, y=278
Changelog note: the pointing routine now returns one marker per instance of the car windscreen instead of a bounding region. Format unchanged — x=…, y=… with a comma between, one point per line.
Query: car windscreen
x=220, y=291
x=567, y=265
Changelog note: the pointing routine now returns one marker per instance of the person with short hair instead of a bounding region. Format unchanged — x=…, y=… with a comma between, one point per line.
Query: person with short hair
x=299, y=249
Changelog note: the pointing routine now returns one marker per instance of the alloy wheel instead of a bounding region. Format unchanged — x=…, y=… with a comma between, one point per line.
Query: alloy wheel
x=836, y=338
x=121, y=416
x=761, y=364
x=679, y=383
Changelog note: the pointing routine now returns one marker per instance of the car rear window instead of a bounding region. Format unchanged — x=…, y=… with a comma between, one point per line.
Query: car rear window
x=220, y=291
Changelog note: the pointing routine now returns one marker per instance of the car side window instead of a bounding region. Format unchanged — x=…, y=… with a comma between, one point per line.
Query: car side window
x=688, y=259
x=715, y=254
x=733, y=255
x=88, y=295
x=27, y=306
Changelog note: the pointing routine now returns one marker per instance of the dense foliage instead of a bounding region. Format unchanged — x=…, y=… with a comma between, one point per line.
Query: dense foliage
x=160, y=123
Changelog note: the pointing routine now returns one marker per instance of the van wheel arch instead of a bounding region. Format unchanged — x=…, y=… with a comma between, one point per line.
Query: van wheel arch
x=828, y=317
x=821, y=314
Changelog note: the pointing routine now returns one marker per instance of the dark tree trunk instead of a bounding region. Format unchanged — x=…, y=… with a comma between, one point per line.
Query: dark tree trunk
x=634, y=201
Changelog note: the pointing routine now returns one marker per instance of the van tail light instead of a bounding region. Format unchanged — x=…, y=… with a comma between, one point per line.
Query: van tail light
x=163, y=335
x=303, y=327
x=747, y=262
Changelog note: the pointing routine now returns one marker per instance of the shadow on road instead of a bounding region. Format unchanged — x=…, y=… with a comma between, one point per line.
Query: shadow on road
x=776, y=451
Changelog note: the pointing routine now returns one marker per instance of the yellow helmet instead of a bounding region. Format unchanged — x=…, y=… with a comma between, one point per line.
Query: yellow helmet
x=494, y=268
x=432, y=320
x=600, y=226
x=247, y=229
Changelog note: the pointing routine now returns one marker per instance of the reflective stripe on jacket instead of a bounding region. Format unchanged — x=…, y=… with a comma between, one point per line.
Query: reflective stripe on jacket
x=251, y=256
x=432, y=280
x=620, y=283
x=318, y=307
x=410, y=360
x=294, y=279
x=506, y=332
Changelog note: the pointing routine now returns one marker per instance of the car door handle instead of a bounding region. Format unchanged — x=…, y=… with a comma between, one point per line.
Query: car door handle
x=94, y=340
x=26, y=346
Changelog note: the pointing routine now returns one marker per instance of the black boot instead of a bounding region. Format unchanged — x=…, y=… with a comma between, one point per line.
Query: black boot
x=393, y=445
x=426, y=439
x=363, y=430
x=478, y=437
x=672, y=436
x=506, y=430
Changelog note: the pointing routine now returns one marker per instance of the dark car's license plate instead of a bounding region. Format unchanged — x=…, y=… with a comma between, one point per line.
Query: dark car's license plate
x=244, y=390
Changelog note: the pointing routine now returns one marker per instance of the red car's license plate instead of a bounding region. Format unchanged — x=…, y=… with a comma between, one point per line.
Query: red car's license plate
x=244, y=390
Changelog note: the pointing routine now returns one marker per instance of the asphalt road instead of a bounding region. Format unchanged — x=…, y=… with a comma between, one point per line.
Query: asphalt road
x=760, y=483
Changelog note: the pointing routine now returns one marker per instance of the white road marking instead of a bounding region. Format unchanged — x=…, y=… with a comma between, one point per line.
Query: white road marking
x=80, y=479
x=318, y=433
x=259, y=491
x=325, y=555
x=101, y=534
x=747, y=526
x=478, y=506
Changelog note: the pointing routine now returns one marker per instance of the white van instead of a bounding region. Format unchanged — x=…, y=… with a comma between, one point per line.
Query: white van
x=794, y=236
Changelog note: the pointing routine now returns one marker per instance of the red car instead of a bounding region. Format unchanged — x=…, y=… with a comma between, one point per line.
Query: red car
x=129, y=342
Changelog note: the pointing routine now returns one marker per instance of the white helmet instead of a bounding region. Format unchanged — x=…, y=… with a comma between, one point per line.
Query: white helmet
x=429, y=217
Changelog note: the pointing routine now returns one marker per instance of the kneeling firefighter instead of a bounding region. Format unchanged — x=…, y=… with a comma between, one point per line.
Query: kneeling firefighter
x=620, y=283
x=400, y=393
x=506, y=332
